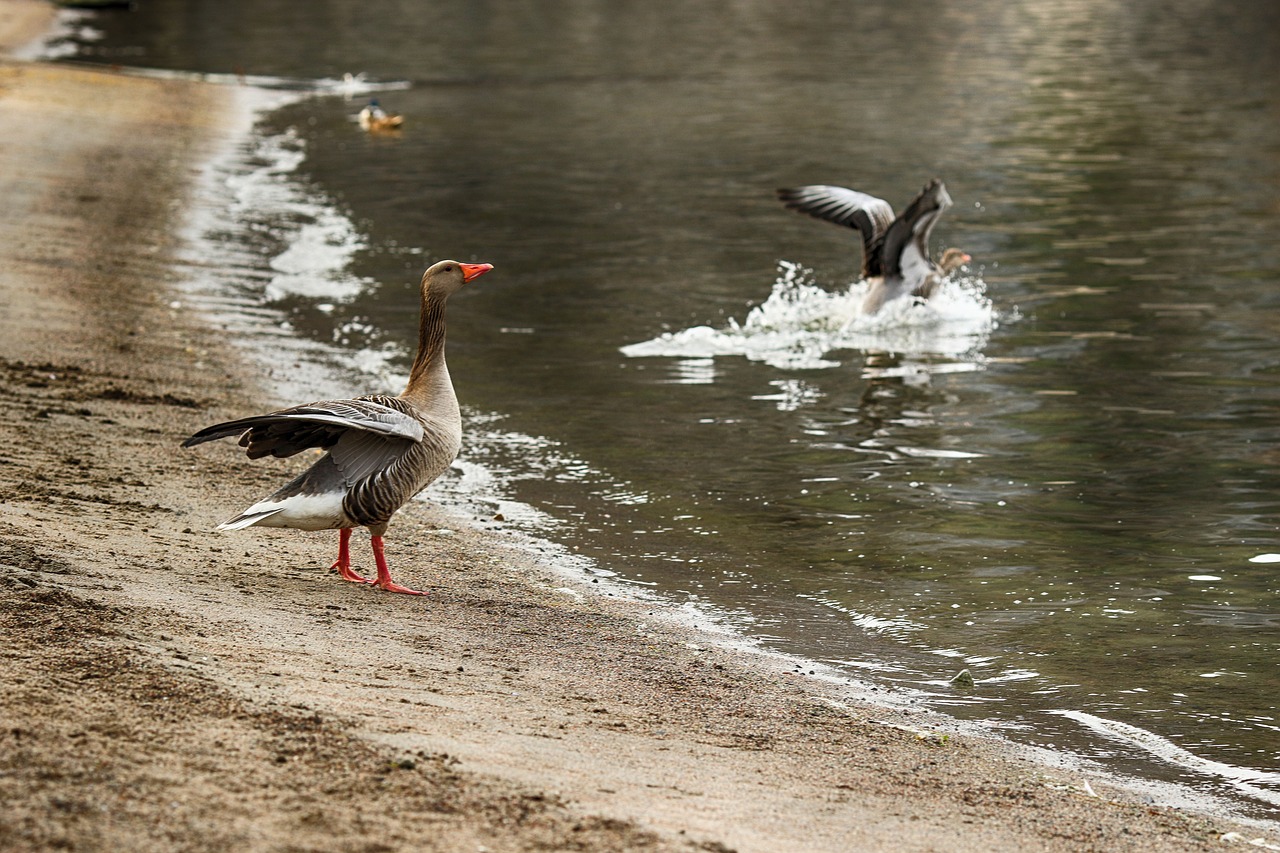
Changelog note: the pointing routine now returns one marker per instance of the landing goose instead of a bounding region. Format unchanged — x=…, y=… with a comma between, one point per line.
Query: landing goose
x=895, y=250
x=374, y=118
x=382, y=450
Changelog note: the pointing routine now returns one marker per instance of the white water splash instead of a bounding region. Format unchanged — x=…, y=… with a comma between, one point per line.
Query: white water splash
x=355, y=85
x=801, y=324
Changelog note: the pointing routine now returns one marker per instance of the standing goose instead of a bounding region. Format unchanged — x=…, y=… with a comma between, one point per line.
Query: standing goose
x=895, y=250
x=382, y=450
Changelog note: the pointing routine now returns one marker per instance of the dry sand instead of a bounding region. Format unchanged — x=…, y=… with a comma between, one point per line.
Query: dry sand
x=169, y=688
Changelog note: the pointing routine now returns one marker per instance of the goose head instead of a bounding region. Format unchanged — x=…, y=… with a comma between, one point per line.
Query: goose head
x=952, y=260
x=446, y=277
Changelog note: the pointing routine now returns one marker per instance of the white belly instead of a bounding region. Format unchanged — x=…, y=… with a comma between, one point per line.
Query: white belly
x=303, y=512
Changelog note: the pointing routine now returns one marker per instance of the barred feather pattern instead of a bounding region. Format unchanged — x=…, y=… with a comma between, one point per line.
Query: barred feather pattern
x=372, y=499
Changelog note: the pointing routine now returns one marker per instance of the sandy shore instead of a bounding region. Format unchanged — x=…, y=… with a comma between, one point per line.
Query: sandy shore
x=170, y=688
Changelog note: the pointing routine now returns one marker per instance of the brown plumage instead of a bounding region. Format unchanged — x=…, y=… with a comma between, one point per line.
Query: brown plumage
x=374, y=118
x=382, y=450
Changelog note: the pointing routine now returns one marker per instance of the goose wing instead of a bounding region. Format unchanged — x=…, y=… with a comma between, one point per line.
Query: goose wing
x=870, y=215
x=321, y=424
x=359, y=455
x=906, y=243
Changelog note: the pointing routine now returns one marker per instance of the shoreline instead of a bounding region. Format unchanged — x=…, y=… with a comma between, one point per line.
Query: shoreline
x=501, y=713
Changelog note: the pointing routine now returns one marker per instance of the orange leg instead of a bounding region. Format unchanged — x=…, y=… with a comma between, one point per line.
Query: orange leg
x=384, y=574
x=343, y=563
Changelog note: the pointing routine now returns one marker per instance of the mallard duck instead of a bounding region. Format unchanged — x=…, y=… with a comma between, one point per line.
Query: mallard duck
x=895, y=250
x=381, y=450
x=375, y=118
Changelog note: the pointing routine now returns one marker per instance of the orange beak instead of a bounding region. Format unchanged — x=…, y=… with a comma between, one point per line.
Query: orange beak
x=470, y=271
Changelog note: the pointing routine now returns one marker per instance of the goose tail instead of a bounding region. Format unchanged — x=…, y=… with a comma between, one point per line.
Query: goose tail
x=249, y=518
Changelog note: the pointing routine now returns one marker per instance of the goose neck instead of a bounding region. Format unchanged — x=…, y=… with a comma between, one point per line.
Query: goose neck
x=429, y=363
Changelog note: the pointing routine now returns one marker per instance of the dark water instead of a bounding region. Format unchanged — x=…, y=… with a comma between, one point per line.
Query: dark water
x=1059, y=479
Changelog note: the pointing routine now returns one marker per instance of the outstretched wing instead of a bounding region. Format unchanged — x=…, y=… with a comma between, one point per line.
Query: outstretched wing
x=906, y=243
x=321, y=424
x=870, y=215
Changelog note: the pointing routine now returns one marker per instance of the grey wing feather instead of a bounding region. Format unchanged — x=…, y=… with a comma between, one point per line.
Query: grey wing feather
x=360, y=455
x=321, y=424
x=841, y=206
x=850, y=208
x=871, y=216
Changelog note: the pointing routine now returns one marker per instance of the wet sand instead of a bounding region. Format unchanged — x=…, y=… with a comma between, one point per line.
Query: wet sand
x=171, y=688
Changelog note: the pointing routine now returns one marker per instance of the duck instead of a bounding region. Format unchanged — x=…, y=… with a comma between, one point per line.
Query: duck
x=380, y=450
x=374, y=118
x=895, y=248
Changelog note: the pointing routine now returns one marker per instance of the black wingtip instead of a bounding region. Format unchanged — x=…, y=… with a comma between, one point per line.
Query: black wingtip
x=212, y=433
x=790, y=198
